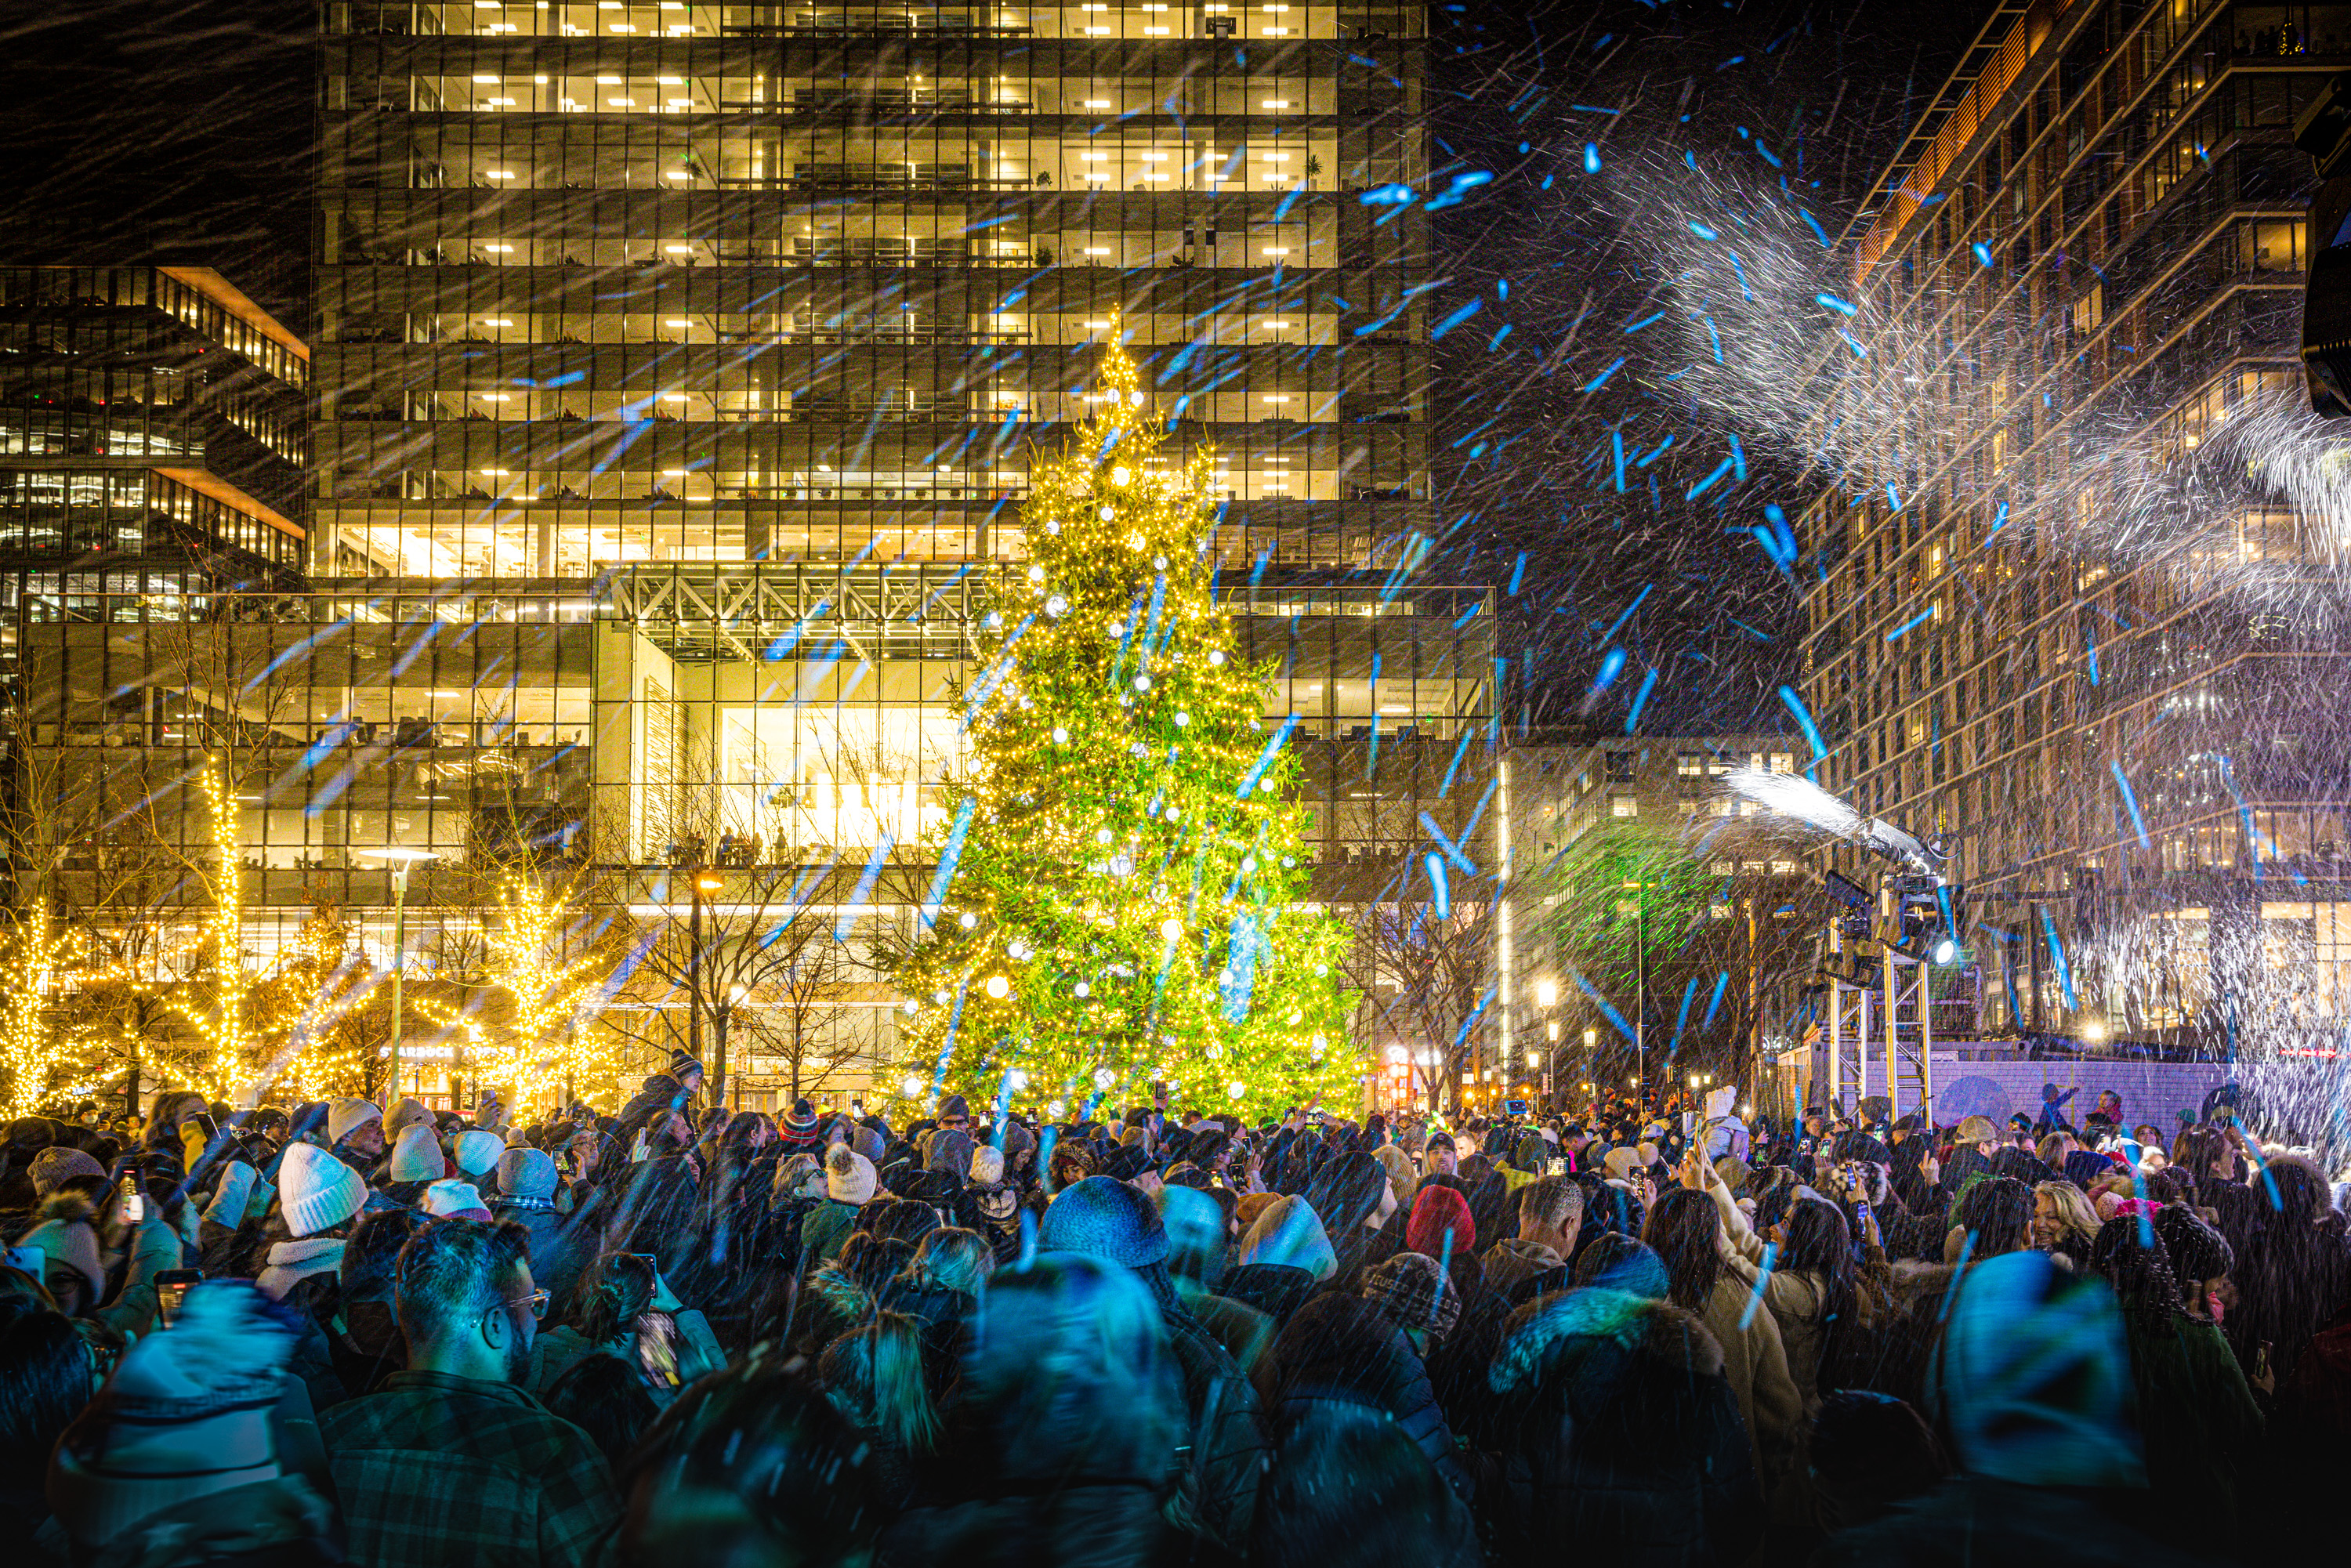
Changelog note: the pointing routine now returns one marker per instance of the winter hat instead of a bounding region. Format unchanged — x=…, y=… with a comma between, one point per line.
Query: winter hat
x=345, y=1117
x=1018, y=1141
x=681, y=1064
x=416, y=1155
x=2033, y=1382
x=478, y=1151
x=987, y=1166
x=1195, y=1223
x=1439, y=1212
x=527, y=1173
x=950, y=1151
x=800, y=1117
x=1402, y=1175
x=185, y=1414
x=1439, y=1141
x=1615, y=1261
x=868, y=1143
x=1977, y=1130
x=1125, y=1162
x=35, y=1131
x=231, y=1194
x=54, y=1167
x=1290, y=1233
x=849, y=1176
x=316, y=1190
x=1411, y=1291
x=2083, y=1168
x=407, y=1113
x=450, y=1199
x=1619, y=1162
x=1107, y=1220
x=66, y=1235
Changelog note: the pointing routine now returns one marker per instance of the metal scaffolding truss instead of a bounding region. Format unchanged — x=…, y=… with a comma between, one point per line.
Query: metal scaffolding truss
x=900, y=611
x=1881, y=1038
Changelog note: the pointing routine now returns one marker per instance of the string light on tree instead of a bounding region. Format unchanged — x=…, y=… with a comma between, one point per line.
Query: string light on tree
x=1130, y=906
x=546, y=987
x=33, y=1051
x=216, y=1004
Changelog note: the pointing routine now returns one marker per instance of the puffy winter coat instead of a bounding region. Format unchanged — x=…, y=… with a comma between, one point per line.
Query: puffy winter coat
x=1058, y=1450
x=1277, y=1289
x=1341, y=1348
x=1617, y=1431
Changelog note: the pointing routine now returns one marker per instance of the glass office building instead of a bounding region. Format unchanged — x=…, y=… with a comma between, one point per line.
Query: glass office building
x=152, y=419
x=679, y=368
x=2091, y=246
x=608, y=285
x=621, y=735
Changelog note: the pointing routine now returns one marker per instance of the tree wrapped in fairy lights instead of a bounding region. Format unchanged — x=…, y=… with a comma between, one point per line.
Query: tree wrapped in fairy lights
x=35, y=1051
x=550, y=978
x=1120, y=899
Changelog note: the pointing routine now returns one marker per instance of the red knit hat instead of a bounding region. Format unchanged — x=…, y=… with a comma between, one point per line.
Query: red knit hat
x=1436, y=1212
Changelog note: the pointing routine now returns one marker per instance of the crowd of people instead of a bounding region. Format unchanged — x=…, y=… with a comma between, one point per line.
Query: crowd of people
x=410, y=1337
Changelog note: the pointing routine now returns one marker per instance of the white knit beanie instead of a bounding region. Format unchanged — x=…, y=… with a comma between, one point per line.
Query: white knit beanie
x=987, y=1165
x=527, y=1173
x=345, y=1117
x=478, y=1151
x=849, y=1176
x=416, y=1155
x=316, y=1190
x=454, y=1199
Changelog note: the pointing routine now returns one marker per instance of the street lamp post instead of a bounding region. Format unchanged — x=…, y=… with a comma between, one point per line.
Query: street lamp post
x=1546, y=997
x=722, y=1013
x=401, y=859
x=702, y=881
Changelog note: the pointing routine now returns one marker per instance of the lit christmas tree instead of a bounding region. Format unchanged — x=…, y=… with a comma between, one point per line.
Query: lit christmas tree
x=1120, y=901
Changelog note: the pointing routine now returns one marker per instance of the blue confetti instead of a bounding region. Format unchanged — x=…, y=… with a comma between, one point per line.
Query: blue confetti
x=2130, y=801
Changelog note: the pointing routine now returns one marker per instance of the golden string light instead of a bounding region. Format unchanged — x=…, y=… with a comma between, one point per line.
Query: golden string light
x=1130, y=908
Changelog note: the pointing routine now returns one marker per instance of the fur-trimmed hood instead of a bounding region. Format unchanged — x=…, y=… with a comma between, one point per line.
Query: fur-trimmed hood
x=1630, y=1325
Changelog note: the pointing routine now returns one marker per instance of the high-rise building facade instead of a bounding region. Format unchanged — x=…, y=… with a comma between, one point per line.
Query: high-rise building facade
x=679, y=368
x=152, y=419
x=602, y=285
x=2042, y=634
x=1599, y=962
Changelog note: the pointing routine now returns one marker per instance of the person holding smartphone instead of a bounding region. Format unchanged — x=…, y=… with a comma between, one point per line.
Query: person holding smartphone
x=626, y=1309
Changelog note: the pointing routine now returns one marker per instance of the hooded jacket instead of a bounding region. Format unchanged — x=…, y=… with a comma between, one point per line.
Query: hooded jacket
x=1283, y=1258
x=1056, y=1452
x=1512, y=1261
x=2031, y=1389
x=1341, y=1348
x=1616, y=1429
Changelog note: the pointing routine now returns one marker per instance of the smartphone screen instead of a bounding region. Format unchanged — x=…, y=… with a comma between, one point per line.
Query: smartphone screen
x=172, y=1287
x=657, y=1348
x=134, y=1202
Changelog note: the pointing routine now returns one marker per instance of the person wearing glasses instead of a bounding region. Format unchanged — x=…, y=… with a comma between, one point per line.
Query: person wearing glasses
x=451, y=1462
